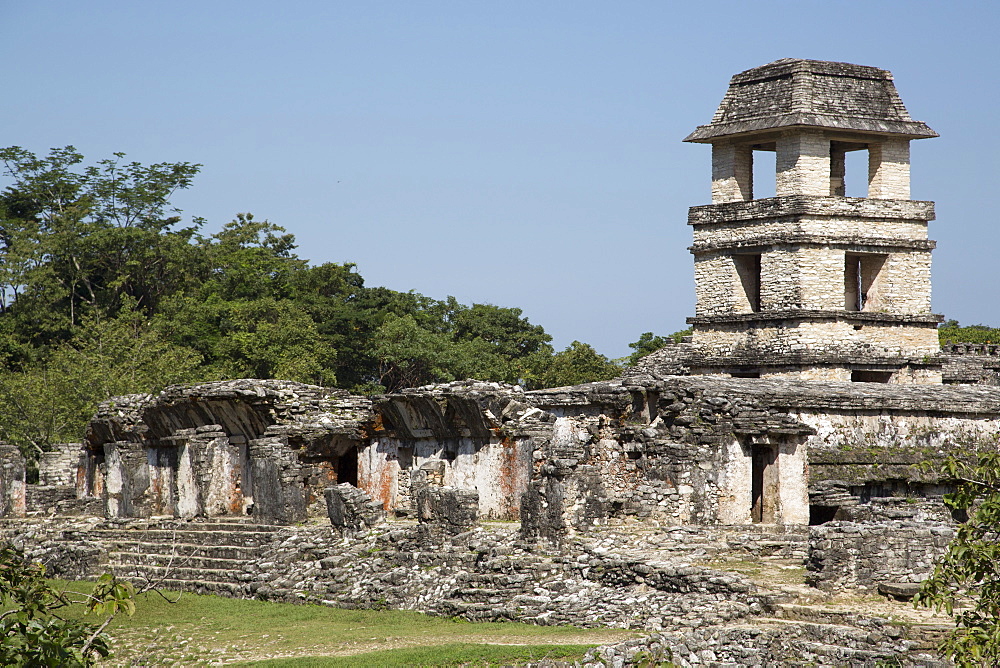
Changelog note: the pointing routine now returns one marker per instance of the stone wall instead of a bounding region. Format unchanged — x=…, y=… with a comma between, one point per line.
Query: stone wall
x=665, y=452
x=848, y=555
x=59, y=466
x=482, y=433
x=971, y=363
x=227, y=448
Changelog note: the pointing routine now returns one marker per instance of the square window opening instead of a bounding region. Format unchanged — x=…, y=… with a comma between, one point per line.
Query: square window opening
x=748, y=269
x=859, y=376
x=861, y=281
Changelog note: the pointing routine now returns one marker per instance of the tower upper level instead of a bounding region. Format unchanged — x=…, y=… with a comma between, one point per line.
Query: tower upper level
x=811, y=113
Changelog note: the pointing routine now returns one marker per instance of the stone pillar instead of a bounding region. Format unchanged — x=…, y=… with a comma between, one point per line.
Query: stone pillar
x=13, y=494
x=838, y=159
x=732, y=173
x=889, y=169
x=803, y=164
x=352, y=511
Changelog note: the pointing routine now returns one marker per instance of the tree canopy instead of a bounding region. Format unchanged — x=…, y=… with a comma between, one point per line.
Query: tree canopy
x=106, y=289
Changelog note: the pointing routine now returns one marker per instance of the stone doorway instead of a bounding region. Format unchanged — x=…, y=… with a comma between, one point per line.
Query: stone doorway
x=763, y=483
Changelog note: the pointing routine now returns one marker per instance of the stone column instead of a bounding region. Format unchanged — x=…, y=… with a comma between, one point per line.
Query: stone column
x=732, y=173
x=838, y=159
x=889, y=169
x=803, y=164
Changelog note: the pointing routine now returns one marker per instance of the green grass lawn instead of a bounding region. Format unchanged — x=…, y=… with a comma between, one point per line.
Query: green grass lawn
x=206, y=630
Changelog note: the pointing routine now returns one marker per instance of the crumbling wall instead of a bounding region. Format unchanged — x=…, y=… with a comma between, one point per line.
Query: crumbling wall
x=58, y=467
x=848, y=555
x=226, y=448
x=971, y=363
x=666, y=452
x=351, y=511
x=481, y=432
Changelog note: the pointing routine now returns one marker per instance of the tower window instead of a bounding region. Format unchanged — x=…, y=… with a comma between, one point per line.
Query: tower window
x=860, y=376
x=861, y=274
x=748, y=269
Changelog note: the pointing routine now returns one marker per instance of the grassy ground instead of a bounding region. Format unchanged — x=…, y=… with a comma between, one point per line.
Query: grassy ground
x=211, y=630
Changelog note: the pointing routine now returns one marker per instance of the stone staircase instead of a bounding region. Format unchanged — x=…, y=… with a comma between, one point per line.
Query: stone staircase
x=201, y=556
x=848, y=637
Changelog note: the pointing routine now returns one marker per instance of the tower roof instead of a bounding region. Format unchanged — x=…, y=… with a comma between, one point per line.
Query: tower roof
x=811, y=93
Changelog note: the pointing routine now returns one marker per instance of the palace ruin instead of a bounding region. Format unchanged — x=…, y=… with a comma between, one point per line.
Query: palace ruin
x=812, y=387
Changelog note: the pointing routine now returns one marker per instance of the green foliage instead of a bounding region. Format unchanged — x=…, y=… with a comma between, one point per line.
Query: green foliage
x=75, y=240
x=579, y=363
x=50, y=402
x=966, y=581
x=104, y=291
x=650, y=343
x=951, y=332
x=32, y=633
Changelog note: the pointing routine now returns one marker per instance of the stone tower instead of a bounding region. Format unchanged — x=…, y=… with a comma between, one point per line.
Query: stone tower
x=811, y=283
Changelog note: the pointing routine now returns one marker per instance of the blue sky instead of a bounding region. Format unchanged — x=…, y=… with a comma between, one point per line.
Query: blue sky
x=518, y=153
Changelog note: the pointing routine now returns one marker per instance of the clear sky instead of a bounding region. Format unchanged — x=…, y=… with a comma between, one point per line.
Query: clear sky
x=517, y=153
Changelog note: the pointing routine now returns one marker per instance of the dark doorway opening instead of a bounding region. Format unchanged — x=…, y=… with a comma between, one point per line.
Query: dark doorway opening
x=763, y=483
x=347, y=467
x=822, y=514
x=858, y=376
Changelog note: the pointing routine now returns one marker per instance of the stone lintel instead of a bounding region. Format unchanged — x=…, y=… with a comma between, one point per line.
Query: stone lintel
x=811, y=205
x=706, y=134
x=736, y=361
x=763, y=318
x=854, y=244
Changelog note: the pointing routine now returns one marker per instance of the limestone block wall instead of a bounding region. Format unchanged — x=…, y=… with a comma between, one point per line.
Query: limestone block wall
x=59, y=465
x=819, y=337
x=812, y=277
x=228, y=448
x=803, y=163
x=732, y=172
x=498, y=469
x=889, y=169
x=861, y=556
x=662, y=452
x=13, y=491
x=791, y=226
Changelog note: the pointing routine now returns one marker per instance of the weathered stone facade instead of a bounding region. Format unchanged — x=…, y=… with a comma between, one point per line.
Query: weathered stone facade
x=264, y=448
x=811, y=283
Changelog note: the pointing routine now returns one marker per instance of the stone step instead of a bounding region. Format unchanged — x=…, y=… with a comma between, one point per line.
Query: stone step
x=926, y=634
x=230, y=538
x=203, y=587
x=186, y=550
x=177, y=573
x=215, y=524
x=190, y=561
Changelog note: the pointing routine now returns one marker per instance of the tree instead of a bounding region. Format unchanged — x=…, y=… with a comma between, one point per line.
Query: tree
x=409, y=355
x=951, y=332
x=31, y=631
x=969, y=572
x=649, y=343
x=578, y=363
x=51, y=401
x=88, y=240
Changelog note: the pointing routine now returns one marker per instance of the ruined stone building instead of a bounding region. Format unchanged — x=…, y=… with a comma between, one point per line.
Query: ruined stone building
x=810, y=283
x=809, y=394
x=808, y=286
